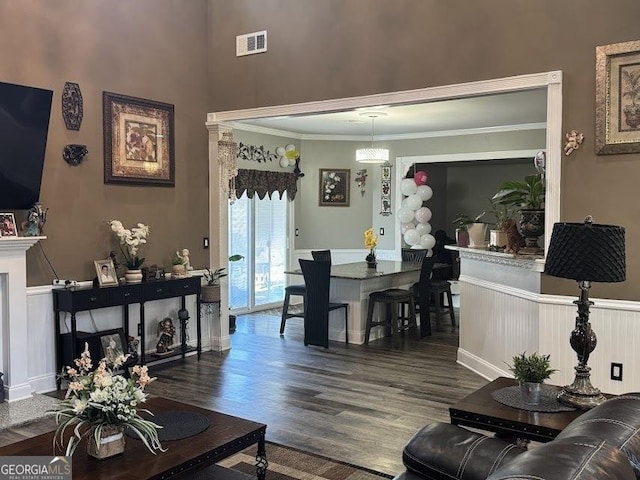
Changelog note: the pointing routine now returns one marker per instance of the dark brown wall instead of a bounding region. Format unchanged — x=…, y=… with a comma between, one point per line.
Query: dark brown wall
x=145, y=48
x=342, y=48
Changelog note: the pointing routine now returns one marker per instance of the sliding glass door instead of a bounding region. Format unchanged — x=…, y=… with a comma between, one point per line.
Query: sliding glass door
x=258, y=231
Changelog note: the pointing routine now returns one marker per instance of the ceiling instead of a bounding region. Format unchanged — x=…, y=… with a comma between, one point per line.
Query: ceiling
x=505, y=111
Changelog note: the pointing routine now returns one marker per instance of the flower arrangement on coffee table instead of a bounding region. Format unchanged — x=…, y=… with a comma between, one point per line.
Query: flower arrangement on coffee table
x=101, y=403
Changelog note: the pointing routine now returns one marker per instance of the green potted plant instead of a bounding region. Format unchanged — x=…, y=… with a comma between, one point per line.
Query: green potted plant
x=528, y=198
x=178, y=268
x=470, y=232
x=498, y=235
x=211, y=291
x=531, y=371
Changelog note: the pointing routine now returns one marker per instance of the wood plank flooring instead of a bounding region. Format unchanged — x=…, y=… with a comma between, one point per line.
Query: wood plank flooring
x=355, y=403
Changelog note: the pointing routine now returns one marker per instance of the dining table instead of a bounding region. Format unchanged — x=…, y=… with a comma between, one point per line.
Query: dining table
x=352, y=283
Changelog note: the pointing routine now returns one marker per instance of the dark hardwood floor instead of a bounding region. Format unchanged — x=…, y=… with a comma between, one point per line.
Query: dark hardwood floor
x=355, y=403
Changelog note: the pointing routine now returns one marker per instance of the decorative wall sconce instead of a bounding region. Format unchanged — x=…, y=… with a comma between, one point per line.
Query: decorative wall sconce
x=574, y=140
x=72, y=109
x=74, y=154
x=361, y=180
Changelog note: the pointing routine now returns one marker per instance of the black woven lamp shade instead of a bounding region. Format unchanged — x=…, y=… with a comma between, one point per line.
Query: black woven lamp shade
x=587, y=252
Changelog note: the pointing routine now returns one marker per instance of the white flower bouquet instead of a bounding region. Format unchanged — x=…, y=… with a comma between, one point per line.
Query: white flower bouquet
x=132, y=240
x=100, y=399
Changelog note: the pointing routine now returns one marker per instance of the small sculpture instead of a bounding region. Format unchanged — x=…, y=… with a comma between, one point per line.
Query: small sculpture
x=574, y=140
x=184, y=256
x=36, y=218
x=166, y=330
x=515, y=241
x=133, y=349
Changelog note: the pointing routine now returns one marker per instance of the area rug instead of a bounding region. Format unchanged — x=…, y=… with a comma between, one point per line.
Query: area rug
x=286, y=463
x=24, y=411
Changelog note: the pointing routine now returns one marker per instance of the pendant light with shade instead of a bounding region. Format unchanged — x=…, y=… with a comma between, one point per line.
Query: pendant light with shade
x=372, y=155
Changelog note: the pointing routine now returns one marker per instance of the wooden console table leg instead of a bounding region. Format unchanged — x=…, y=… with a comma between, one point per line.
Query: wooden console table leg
x=261, y=459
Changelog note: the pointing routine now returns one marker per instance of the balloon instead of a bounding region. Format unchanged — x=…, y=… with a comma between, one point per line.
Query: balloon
x=423, y=228
x=411, y=237
x=427, y=241
x=420, y=177
x=284, y=162
x=417, y=246
x=405, y=215
x=412, y=202
x=406, y=226
x=423, y=215
x=408, y=186
x=425, y=192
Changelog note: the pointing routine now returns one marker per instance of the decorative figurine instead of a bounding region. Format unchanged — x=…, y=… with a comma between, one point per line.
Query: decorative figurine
x=574, y=140
x=133, y=343
x=36, y=218
x=166, y=330
x=184, y=256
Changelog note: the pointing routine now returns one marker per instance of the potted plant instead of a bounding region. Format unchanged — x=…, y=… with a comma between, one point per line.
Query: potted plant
x=531, y=371
x=498, y=235
x=528, y=197
x=178, y=268
x=470, y=232
x=211, y=291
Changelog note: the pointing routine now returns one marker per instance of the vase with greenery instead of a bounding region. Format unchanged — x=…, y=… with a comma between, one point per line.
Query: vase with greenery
x=531, y=371
x=463, y=223
x=528, y=198
x=211, y=291
x=100, y=405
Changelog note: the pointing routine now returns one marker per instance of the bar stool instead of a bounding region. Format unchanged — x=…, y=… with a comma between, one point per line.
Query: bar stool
x=392, y=298
x=437, y=288
x=301, y=291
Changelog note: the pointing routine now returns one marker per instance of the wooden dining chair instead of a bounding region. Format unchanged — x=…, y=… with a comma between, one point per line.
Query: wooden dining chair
x=317, y=276
x=321, y=255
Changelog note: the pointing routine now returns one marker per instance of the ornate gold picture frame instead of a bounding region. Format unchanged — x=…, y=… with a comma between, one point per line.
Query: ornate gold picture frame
x=618, y=98
x=138, y=141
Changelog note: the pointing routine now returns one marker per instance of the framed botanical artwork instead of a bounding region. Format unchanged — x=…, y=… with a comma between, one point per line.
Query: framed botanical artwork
x=618, y=98
x=112, y=342
x=334, y=187
x=106, y=273
x=8, y=226
x=138, y=141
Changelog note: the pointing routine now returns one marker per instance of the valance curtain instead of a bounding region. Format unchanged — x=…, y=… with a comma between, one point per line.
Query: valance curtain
x=265, y=182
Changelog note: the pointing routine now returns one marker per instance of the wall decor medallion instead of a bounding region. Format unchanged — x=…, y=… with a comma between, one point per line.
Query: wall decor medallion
x=385, y=190
x=253, y=153
x=361, y=180
x=138, y=141
x=618, y=98
x=72, y=108
x=74, y=154
x=334, y=187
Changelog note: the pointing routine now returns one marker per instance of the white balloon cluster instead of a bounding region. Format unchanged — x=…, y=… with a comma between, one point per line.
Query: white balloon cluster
x=414, y=218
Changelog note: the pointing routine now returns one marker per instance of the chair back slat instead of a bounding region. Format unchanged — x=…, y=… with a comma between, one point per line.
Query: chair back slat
x=321, y=255
x=317, y=277
x=415, y=256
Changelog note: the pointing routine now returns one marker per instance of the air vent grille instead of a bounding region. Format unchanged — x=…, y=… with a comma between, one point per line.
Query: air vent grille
x=251, y=43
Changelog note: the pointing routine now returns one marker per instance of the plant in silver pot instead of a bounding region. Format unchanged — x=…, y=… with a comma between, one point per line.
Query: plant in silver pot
x=531, y=371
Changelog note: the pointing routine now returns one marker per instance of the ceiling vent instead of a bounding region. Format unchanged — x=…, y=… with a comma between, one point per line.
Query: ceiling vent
x=251, y=43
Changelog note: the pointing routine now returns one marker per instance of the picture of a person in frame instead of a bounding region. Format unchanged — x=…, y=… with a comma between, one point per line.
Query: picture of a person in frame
x=105, y=275
x=8, y=225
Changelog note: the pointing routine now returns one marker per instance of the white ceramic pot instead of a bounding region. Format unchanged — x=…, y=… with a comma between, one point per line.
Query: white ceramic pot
x=133, y=276
x=498, y=238
x=477, y=235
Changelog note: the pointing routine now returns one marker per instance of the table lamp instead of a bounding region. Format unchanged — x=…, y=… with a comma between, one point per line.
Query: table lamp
x=585, y=252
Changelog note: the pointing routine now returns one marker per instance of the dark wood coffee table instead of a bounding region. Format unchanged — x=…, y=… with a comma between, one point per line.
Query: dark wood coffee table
x=479, y=410
x=225, y=436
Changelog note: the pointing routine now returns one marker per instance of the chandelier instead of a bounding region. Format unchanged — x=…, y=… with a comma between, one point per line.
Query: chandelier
x=372, y=154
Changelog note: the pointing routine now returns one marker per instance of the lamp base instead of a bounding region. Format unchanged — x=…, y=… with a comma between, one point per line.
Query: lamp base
x=581, y=394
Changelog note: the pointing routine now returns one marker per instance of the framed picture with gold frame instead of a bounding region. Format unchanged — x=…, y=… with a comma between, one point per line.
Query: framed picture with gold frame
x=618, y=98
x=106, y=273
x=138, y=141
x=334, y=187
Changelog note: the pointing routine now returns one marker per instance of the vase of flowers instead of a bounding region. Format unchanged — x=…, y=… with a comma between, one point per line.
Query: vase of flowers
x=100, y=405
x=130, y=242
x=371, y=242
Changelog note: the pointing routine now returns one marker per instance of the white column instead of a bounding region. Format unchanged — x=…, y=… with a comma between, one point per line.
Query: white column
x=14, y=357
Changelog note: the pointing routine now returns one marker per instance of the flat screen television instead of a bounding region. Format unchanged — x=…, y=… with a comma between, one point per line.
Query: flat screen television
x=24, y=125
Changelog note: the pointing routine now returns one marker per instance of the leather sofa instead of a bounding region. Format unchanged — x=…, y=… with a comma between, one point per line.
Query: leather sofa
x=601, y=444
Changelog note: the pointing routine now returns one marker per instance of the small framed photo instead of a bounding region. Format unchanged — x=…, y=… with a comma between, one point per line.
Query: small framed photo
x=112, y=342
x=106, y=272
x=8, y=225
x=618, y=98
x=334, y=187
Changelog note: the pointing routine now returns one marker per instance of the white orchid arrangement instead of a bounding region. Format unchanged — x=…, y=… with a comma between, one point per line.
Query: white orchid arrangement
x=100, y=398
x=131, y=239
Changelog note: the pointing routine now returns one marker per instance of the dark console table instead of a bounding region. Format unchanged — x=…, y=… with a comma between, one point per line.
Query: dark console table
x=79, y=299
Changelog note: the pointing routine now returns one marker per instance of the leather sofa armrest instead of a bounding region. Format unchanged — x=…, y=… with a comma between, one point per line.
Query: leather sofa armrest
x=445, y=451
x=577, y=458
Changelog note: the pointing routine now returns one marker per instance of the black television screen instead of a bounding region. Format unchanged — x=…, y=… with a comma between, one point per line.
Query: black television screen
x=24, y=125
